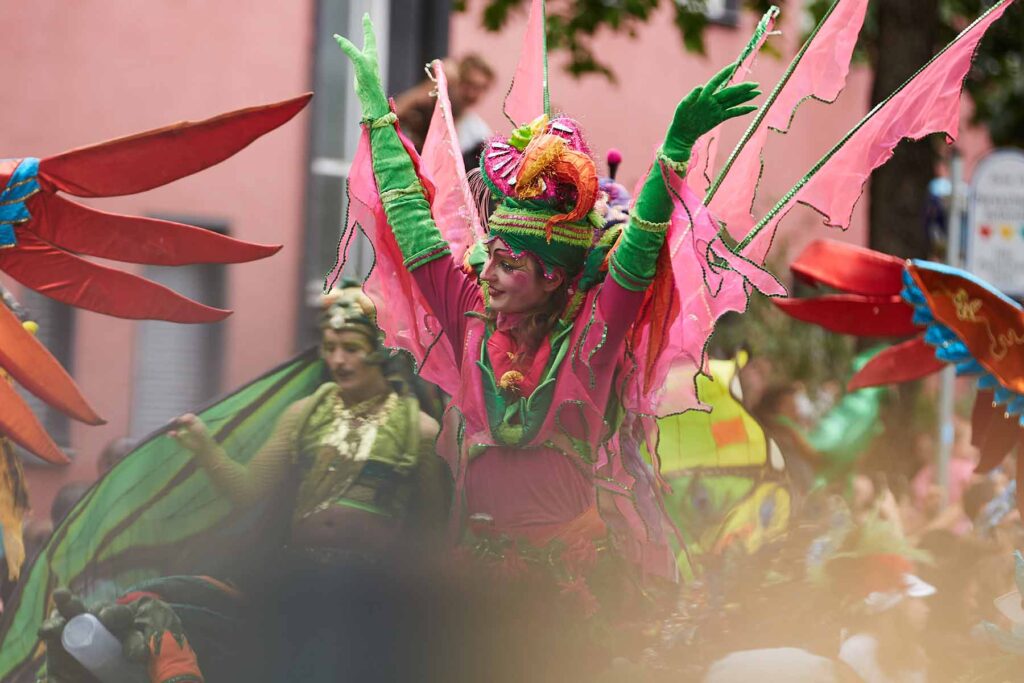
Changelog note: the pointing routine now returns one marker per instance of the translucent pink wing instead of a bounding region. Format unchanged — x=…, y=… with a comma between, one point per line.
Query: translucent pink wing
x=453, y=208
x=402, y=312
x=927, y=103
x=818, y=71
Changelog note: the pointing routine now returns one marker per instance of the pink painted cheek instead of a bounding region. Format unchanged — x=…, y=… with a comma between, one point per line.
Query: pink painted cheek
x=520, y=278
x=523, y=284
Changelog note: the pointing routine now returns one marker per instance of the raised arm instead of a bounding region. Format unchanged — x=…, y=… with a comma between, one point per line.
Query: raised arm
x=634, y=260
x=401, y=191
x=243, y=484
x=447, y=289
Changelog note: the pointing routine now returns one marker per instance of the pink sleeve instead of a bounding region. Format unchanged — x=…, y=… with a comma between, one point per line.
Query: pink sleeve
x=451, y=294
x=618, y=308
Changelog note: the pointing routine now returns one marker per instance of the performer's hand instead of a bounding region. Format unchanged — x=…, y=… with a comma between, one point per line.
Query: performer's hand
x=61, y=667
x=699, y=112
x=704, y=108
x=191, y=433
x=368, y=83
x=150, y=632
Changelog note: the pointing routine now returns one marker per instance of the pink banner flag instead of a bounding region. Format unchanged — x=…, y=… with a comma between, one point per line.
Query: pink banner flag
x=699, y=176
x=527, y=97
x=927, y=103
x=403, y=313
x=818, y=71
x=453, y=208
x=707, y=281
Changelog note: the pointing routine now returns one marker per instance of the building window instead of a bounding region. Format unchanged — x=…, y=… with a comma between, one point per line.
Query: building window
x=178, y=367
x=725, y=12
x=409, y=33
x=334, y=136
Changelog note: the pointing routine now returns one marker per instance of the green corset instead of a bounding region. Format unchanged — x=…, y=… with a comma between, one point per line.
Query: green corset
x=362, y=458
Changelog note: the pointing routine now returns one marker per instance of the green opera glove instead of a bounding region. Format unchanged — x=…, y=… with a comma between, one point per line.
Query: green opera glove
x=401, y=191
x=700, y=112
x=634, y=261
x=369, y=90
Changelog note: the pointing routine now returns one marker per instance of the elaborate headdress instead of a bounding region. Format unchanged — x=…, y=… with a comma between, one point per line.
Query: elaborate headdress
x=347, y=309
x=545, y=184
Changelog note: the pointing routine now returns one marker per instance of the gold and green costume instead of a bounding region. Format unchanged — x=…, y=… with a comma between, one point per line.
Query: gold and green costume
x=369, y=456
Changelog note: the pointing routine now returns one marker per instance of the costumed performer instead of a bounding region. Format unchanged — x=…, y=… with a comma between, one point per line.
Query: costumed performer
x=539, y=332
x=356, y=462
x=359, y=449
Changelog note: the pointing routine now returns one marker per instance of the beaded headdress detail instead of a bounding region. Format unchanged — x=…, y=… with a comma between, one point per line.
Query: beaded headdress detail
x=546, y=185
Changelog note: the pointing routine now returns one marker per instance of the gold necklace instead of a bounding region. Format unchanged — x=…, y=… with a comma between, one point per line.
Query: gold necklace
x=355, y=443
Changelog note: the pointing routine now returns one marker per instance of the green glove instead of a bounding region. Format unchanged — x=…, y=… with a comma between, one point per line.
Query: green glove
x=699, y=112
x=401, y=191
x=703, y=109
x=634, y=262
x=369, y=90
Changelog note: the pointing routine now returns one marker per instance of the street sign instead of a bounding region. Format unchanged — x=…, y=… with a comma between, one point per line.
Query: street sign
x=995, y=221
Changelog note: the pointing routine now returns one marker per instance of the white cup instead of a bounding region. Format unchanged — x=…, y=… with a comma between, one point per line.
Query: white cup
x=95, y=648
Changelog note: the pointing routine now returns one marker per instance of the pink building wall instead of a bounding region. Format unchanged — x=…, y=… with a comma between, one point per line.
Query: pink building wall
x=75, y=73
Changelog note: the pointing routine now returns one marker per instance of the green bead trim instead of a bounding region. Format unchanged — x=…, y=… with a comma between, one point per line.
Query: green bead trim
x=532, y=222
x=648, y=226
x=365, y=507
x=389, y=196
x=385, y=121
x=625, y=280
x=678, y=166
x=518, y=228
x=516, y=420
x=425, y=256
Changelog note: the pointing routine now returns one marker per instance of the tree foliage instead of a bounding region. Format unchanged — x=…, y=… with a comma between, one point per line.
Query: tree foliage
x=996, y=83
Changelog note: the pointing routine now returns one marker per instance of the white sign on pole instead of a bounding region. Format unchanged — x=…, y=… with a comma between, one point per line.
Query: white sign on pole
x=995, y=221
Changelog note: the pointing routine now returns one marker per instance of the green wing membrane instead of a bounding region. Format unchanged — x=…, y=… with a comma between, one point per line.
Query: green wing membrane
x=155, y=514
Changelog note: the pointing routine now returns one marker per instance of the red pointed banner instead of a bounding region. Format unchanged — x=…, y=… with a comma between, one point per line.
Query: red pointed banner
x=904, y=362
x=77, y=282
x=927, y=103
x=528, y=96
x=862, y=316
x=993, y=432
x=32, y=366
x=134, y=239
x=18, y=424
x=154, y=158
x=849, y=268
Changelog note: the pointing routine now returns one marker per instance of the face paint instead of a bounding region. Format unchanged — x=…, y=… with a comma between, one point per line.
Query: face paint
x=515, y=285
